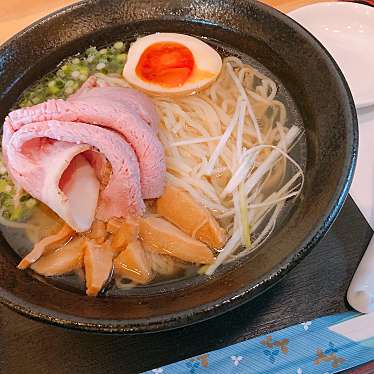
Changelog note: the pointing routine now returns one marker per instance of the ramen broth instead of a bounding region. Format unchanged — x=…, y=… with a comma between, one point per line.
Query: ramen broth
x=43, y=222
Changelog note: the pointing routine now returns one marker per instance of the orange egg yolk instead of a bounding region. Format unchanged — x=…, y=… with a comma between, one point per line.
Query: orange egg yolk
x=167, y=64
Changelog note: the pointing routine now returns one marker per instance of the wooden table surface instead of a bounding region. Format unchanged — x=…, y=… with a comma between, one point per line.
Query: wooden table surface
x=17, y=14
x=314, y=288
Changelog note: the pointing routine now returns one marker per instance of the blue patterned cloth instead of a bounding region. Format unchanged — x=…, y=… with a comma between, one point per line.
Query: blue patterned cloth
x=306, y=348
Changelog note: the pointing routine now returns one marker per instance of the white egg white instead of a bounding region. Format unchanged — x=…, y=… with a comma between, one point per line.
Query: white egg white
x=206, y=59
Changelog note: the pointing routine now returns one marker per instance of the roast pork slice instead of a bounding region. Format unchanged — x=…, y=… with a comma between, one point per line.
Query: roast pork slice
x=133, y=100
x=81, y=187
x=95, y=109
x=50, y=159
x=147, y=147
x=66, y=176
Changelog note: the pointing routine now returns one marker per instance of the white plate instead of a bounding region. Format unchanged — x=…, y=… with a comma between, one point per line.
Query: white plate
x=347, y=32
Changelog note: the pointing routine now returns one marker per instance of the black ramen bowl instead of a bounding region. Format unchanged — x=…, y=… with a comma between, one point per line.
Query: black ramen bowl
x=312, y=79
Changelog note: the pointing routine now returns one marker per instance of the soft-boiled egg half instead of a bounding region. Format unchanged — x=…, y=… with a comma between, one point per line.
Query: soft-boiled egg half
x=168, y=63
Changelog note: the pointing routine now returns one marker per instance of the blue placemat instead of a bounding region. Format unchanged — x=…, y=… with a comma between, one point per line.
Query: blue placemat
x=309, y=347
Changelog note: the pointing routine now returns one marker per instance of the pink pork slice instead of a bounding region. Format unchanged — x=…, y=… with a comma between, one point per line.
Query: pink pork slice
x=103, y=111
x=136, y=101
x=91, y=107
x=28, y=150
x=64, y=183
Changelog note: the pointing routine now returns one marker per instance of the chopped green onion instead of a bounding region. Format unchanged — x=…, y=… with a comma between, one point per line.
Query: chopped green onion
x=36, y=100
x=60, y=83
x=15, y=205
x=118, y=45
x=4, y=186
x=60, y=73
x=72, y=72
x=53, y=89
x=83, y=69
x=65, y=68
x=16, y=214
x=121, y=57
x=30, y=203
x=69, y=90
x=91, y=50
x=100, y=66
x=75, y=74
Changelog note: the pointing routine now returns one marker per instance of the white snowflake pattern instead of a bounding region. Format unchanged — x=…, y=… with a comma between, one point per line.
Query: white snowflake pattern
x=299, y=371
x=236, y=359
x=306, y=325
x=158, y=370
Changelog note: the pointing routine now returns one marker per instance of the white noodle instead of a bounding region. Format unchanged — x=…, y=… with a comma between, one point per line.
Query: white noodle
x=226, y=158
